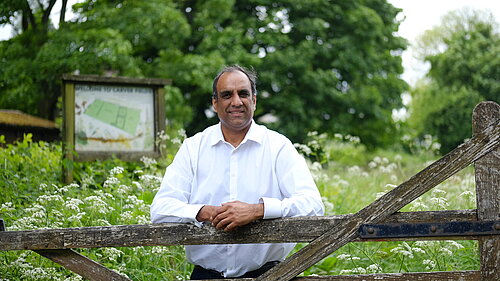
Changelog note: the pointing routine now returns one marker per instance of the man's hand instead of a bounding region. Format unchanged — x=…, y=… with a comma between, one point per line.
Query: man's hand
x=208, y=213
x=236, y=213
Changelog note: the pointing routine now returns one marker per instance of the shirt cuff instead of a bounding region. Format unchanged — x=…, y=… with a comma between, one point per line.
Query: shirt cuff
x=192, y=211
x=272, y=207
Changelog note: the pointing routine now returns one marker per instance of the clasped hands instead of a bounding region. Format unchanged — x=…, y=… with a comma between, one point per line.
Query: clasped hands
x=230, y=215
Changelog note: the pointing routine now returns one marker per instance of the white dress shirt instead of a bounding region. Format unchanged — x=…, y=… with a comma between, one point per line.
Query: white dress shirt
x=264, y=168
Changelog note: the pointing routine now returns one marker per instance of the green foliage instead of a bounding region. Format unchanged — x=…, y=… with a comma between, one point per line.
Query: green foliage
x=113, y=192
x=463, y=53
x=329, y=66
x=110, y=192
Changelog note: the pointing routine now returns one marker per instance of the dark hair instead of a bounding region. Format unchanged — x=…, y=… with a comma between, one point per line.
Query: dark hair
x=250, y=73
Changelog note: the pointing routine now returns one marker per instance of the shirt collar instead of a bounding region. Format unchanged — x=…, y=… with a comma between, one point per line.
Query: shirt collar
x=255, y=133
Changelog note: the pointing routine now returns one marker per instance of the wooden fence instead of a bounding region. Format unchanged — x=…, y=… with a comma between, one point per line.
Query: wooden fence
x=324, y=234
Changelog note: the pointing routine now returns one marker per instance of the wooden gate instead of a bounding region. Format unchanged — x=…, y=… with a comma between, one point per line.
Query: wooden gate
x=324, y=234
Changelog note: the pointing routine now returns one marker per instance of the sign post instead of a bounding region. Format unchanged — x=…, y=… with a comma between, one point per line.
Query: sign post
x=111, y=116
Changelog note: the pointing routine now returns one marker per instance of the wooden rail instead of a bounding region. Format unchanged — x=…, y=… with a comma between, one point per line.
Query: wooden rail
x=324, y=234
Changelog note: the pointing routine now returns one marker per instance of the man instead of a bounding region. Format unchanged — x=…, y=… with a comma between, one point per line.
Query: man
x=231, y=174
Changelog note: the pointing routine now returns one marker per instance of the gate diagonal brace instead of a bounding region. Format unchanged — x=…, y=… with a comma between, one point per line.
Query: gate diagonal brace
x=402, y=230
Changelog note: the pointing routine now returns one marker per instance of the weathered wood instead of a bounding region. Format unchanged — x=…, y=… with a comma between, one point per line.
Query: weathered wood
x=465, y=275
x=82, y=265
x=116, y=80
x=462, y=156
x=414, y=276
x=487, y=172
x=68, y=132
x=299, y=229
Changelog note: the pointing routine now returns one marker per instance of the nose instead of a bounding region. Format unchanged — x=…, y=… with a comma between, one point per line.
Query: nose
x=236, y=100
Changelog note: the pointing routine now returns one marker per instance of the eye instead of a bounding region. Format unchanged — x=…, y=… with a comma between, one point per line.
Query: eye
x=244, y=94
x=225, y=95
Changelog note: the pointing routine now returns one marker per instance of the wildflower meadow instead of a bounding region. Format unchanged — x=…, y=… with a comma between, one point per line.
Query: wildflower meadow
x=114, y=192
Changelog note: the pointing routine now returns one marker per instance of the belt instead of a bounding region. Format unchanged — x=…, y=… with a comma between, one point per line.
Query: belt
x=250, y=274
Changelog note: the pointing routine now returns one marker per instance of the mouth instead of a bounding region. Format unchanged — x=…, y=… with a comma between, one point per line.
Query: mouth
x=236, y=112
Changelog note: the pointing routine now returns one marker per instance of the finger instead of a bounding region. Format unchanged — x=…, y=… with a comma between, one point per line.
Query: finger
x=230, y=203
x=230, y=227
x=223, y=223
x=218, y=218
x=220, y=210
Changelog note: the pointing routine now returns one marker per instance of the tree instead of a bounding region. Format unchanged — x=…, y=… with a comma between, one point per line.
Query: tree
x=463, y=54
x=330, y=66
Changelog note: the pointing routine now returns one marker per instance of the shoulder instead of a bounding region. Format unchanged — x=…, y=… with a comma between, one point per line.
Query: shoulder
x=203, y=136
x=202, y=139
x=273, y=138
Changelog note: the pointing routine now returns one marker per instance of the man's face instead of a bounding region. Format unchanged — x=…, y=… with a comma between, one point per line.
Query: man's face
x=235, y=102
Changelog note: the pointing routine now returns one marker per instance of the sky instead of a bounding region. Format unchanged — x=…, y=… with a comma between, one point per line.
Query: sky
x=418, y=16
x=422, y=15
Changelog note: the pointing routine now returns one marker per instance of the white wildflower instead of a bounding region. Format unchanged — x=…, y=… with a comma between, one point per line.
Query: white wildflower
x=446, y=251
x=103, y=222
x=418, y=205
x=303, y=148
x=380, y=194
x=391, y=186
x=182, y=133
x=6, y=207
x=116, y=171
x=142, y=219
x=316, y=166
x=418, y=250
x=123, y=189
x=438, y=192
x=374, y=268
x=430, y=264
x=345, y=271
x=110, y=181
x=440, y=201
x=44, y=199
x=97, y=204
x=73, y=204
x=394, y=178
x=159, y=250
x=74, y=278
x=359, y=270
x=343, y=256
x=126, y=216
x=455, y=244
x=76, y=217
x=354, y=170
x=148, y=162
x=112, y=254
x=466, y=193
x=137, y=185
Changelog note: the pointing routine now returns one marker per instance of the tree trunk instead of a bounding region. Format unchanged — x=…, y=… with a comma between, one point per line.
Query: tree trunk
x=62, y=17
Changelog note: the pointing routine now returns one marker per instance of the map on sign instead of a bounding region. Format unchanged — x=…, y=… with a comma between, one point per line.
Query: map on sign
x=114, y=118
x=121, y=117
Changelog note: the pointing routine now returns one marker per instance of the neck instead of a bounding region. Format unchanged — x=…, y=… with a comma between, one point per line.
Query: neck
x=234, y=137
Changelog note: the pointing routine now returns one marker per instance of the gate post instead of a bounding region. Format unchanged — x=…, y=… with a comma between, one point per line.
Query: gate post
x=487, y=172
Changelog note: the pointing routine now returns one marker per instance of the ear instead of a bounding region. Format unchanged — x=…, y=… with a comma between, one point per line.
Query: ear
x=254, y=101
x=214, y=103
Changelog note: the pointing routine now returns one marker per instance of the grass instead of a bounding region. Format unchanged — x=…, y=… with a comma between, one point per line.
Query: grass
x=113, y=192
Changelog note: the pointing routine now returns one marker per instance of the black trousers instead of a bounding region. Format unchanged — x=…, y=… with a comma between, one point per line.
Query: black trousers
x=200, y=273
